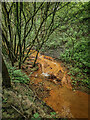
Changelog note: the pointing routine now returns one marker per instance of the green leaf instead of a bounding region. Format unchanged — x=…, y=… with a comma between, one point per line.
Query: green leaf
x=17, y=81
x=53, y=113
x=5, y=100
x=36, y=115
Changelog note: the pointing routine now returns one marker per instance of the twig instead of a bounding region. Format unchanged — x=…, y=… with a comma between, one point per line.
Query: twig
x=18, y=111
x=35, y=95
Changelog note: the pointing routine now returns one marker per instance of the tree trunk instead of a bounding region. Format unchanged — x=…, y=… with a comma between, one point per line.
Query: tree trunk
x=35, y=59
x=5, y=75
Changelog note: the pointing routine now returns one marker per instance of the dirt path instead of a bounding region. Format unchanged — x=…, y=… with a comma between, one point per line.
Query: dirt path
x=52, y=83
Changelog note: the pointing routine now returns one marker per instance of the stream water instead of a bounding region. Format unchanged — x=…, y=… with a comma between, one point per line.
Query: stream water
x=67, y=103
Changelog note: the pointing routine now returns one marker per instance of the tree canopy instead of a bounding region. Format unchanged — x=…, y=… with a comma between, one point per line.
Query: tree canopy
x=29, y=25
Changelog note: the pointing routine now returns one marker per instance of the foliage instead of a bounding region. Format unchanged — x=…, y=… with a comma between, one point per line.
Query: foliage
x=79, y=78
x=21, y=29
x=31, y=25
x=36, y=115
x=17, y=75
x=72, y=38
x=77, y=53
x=53, y=114
x=4, y=100
x=41, y=26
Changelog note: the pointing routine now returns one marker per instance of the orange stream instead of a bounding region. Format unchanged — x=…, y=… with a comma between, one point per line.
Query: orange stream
x=67, y=103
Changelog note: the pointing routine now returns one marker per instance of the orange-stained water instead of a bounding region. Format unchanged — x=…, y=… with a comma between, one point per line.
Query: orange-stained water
x=67, y=103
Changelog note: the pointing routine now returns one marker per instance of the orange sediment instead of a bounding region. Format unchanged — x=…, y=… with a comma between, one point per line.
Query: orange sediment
x=68, y=103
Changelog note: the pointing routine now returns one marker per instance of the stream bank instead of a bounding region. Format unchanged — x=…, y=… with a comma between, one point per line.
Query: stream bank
x=53, y=85
x=77, y=82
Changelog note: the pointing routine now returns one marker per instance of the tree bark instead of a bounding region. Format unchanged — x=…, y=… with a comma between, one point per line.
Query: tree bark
x=5, y=75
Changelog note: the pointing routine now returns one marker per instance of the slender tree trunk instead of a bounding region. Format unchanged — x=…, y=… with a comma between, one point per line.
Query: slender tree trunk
x=10, y=33
x=19, y=32
x=35, y=59
x=20, y=53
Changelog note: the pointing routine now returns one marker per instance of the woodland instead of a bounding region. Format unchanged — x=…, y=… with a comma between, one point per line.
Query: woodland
x=45, y=60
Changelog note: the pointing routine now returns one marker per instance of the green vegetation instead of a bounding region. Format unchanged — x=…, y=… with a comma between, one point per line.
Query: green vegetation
x=17, y=75
x=71, y=40
x=36, y=115
x=58, y=29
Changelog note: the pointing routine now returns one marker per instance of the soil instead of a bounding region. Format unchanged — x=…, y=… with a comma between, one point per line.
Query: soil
x=20, y=102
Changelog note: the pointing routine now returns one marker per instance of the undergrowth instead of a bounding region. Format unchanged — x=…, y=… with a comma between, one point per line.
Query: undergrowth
x=17, y=75
x=79, y=78
x=73, y=45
